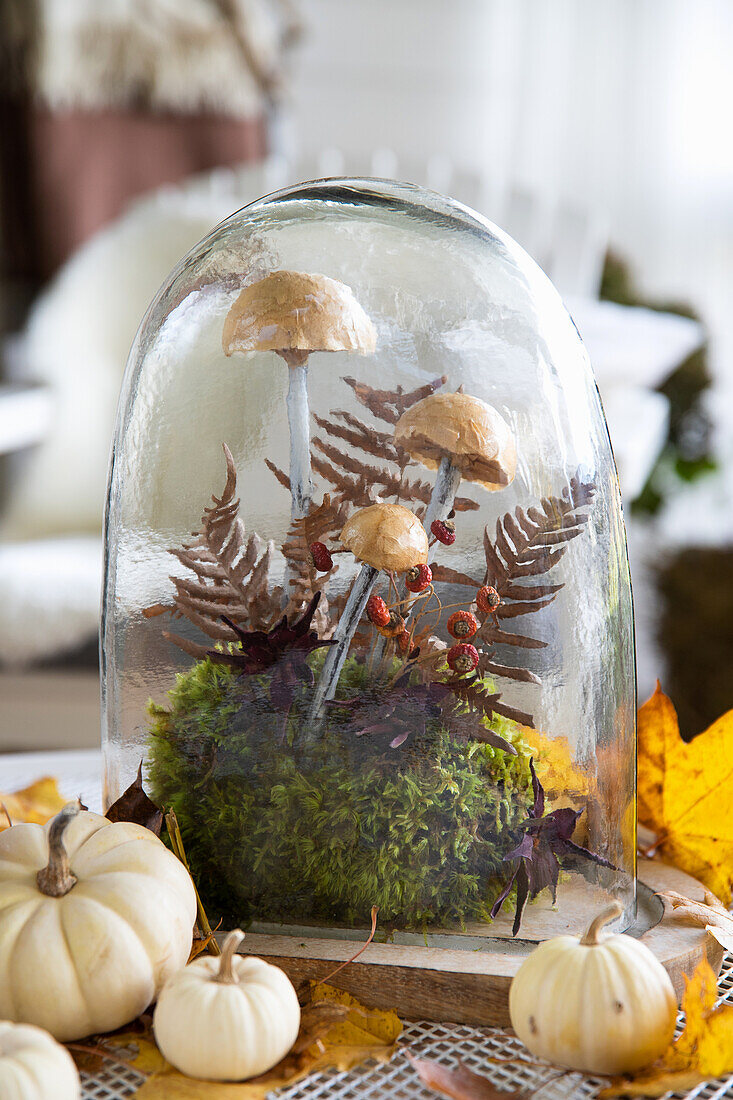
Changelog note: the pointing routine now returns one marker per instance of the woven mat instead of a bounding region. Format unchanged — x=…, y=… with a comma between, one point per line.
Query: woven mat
x=446, y=1043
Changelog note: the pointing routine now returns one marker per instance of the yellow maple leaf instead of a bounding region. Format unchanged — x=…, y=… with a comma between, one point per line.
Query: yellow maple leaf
x=340, y=1040
x=684, y=793
x=36, y=804
x=361, y=1027
x=703, y=1050
x=560, y=776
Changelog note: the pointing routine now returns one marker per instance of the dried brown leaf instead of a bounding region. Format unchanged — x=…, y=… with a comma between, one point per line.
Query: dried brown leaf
x=711, y=915
x=460, y=1083
x=134, y=805
x=200, y=944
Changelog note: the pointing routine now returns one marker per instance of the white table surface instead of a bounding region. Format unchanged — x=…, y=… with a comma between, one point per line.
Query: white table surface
x=78, y=771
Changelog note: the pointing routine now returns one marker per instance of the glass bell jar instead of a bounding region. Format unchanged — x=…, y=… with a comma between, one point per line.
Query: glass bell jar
x=367, y=613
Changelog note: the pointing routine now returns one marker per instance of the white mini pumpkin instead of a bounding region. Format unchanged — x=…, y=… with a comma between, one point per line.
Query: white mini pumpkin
x=227, y=1019
x=598, y=1003
x=33, y=1066
x=94, y=917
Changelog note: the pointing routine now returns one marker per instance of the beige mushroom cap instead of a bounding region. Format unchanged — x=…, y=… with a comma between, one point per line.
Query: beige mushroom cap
x=292, y=311
x=386, y=536
x=478, y=441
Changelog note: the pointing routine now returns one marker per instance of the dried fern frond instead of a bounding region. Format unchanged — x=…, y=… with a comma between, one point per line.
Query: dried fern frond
x=445, y=575
x=389, y=405
x=231, y=573
x=472, y=691
x=325, y=520
x=281, y=476
x=358, y=479
x=355, y=432
x=369, y=481
x=321, y=521
x=487, y=666
x=352, y=476
x=358, y=491
x=529, y=543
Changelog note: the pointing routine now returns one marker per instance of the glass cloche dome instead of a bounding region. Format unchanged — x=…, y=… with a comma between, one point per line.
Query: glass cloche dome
x=367, y=613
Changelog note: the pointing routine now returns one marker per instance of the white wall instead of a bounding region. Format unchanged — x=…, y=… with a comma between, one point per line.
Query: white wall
x=622, y=105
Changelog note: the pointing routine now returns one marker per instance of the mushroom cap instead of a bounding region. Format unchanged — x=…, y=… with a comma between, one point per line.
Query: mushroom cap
x=475, y=437
x=386, y=536
x=293, y=311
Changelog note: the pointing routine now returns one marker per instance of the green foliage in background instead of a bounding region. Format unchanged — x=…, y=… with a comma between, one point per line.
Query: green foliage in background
x=687, y=453
x=271, y=834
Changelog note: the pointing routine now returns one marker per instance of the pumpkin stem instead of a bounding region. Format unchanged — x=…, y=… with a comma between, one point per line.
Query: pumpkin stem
x=56, y=878
x=592, y=936
x=228, y=951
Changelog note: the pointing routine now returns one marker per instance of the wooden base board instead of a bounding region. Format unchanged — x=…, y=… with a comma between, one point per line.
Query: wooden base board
x=472, y=986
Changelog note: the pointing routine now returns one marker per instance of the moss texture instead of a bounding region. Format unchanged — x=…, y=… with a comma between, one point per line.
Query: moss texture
x=271, y=834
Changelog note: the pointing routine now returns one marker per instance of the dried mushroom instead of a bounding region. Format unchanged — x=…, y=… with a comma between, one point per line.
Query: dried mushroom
x=462, y=437
x=295, y=313
x=382, y=536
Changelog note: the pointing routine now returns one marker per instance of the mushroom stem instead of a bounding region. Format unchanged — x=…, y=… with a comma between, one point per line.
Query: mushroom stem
x=592, y=936
x=225, y=974
x=352, y=613
x=55, y=879
x=444, y=492
x=301, y=486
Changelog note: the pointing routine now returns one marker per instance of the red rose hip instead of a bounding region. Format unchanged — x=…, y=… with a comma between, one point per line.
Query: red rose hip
x=321, y=556
x=418, y=578
x=487, y=599
x=444, y=531
x=463, y=657
x=377, y=611
x=462, y=624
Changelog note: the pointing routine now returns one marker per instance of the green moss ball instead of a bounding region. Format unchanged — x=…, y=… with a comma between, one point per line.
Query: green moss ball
x=273, y=834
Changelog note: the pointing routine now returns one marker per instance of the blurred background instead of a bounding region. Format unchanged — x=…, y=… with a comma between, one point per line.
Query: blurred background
x=598, y=135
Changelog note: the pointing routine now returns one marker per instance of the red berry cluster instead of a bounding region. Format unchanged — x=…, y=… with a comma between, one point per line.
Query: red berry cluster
x=463, y=657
